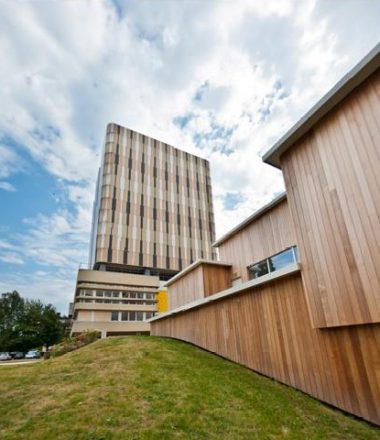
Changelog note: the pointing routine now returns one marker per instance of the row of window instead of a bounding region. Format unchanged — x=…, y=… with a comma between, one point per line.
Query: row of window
x=116, y=301
x=131, y=316
x=116, y=294
x=275, y=262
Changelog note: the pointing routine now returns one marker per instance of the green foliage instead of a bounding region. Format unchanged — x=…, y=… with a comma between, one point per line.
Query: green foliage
x=74, y=342
x=26, y=324
x=11, y=311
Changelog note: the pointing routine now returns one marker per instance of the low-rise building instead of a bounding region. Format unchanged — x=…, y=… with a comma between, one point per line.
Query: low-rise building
x=303, y=303
x=114, y=303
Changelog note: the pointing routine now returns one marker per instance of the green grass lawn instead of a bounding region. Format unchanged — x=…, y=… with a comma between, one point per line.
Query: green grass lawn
x=154, y=388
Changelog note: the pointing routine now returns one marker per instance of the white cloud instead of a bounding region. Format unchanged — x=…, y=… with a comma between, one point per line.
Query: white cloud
x=11, y=258
x=58, y=240
x=69, y=68
x=10, y=163
x=56, y=244
x=6, y=245
x=6, y=186
x=52, y=288
x=9, y=253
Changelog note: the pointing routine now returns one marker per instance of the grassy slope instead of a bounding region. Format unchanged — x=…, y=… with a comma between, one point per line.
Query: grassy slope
x=153, y=388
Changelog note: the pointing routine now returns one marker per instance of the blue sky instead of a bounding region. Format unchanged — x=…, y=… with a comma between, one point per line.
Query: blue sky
x=222, y=79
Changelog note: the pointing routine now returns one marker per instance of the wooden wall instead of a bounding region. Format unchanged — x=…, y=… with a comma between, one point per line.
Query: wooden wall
x=265, y=236
x=186, y=289
x=268, y=329
x=332, y=178
x=204, y=280
x=216, y=278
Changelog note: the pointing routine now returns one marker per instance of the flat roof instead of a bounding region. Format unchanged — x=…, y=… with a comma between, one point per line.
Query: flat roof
x=194, y=266
x=155, y=139
x=261, y=211
x=368, y=65
x=115, y=278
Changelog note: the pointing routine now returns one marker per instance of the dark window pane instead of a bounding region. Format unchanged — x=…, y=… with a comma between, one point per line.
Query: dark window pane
x=114, y=316
x=139, y=316
x=132, y=316
x=258, y=270
x=124, y=316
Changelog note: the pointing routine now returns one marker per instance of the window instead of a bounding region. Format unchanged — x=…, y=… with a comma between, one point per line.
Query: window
x=107, y=294
x=273, y=263
x=124, y=316
x=281, y=260
x=99, y=293
x=132, y=316
x=86, y=292
x=114, y=316
x=115, y=294
x=139, y=316
x=148, y=315
x=259, y=269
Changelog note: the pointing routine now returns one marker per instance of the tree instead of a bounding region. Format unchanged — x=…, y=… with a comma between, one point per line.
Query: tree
x=26, y=324
x=11, y=311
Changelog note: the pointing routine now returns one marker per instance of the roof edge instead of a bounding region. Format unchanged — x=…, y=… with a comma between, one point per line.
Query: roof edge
x=291, y=270
x=155, y=139
x=258, y=213
x=358, y=74
x=192, y=266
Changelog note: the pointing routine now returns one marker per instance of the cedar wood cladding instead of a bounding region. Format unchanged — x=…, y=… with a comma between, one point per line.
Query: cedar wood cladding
x=202, y=281
x=333, y=185
x=268, y=329
x=155, y=204
x=265, y=236
x=318, y=330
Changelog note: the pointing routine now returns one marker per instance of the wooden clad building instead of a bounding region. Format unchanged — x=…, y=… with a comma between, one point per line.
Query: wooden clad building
x=200, y=279
x=303, y=303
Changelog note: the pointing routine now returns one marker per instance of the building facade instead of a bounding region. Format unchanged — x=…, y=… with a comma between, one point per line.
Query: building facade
x=114, y=303
x=302, y=303
x=153, y=206
x=152, y=216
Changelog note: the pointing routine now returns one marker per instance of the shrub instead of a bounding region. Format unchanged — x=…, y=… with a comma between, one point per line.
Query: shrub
x=72, y=343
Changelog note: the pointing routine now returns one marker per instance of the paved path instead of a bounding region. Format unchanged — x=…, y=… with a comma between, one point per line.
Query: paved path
x=21, y=361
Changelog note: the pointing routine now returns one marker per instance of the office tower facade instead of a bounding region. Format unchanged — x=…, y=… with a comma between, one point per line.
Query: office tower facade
x=153, y=207
x=152, y=217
